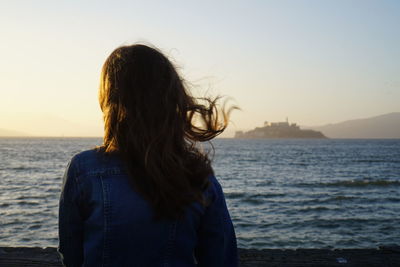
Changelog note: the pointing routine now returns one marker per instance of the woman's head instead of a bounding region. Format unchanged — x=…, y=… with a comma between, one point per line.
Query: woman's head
x=153, y=123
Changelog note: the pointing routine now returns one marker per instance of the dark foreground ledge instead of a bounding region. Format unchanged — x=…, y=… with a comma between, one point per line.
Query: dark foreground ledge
x=383, y=256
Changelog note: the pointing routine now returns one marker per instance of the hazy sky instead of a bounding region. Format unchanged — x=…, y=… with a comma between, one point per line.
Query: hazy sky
x=315, y=62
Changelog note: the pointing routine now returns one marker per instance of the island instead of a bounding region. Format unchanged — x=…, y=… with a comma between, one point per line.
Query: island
x=275, y=130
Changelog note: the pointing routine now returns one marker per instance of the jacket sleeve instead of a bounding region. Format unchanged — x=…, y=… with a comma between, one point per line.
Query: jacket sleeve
x=70, y=223
x=216, y=236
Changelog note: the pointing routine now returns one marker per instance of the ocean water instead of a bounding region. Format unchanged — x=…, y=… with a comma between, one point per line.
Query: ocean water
x=280, y=193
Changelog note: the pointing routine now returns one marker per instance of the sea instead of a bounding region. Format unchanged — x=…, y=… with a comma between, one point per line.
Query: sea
x=317, y=193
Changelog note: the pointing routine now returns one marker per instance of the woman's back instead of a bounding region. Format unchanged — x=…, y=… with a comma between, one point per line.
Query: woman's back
x=105, y=222
x=147, y=196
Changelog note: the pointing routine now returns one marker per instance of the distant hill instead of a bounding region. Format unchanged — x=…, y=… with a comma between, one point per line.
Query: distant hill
x=6, y=132
x=37, y=124
x=383, y=126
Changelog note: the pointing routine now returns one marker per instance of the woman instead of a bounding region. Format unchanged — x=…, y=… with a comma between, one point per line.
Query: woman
x=147, y=196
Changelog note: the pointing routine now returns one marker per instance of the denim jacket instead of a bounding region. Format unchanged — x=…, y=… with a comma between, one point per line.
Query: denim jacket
x=104, y=222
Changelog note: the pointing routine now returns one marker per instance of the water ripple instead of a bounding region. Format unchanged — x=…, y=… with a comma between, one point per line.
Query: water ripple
x=280, y=193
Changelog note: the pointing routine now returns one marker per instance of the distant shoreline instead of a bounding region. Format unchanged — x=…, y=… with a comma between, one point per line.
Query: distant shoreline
x=235, y=138
x=37, y=137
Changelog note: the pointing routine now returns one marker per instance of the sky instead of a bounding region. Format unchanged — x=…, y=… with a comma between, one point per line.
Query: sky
x=315, y=62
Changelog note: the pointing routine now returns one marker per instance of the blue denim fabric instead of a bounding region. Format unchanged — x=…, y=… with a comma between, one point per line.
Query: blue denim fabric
x=104, y=222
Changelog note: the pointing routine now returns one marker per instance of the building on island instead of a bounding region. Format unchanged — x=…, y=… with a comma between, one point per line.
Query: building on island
x=278, y=130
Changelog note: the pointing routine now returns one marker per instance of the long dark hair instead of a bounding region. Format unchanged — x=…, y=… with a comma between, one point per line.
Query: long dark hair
x=153, y=123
